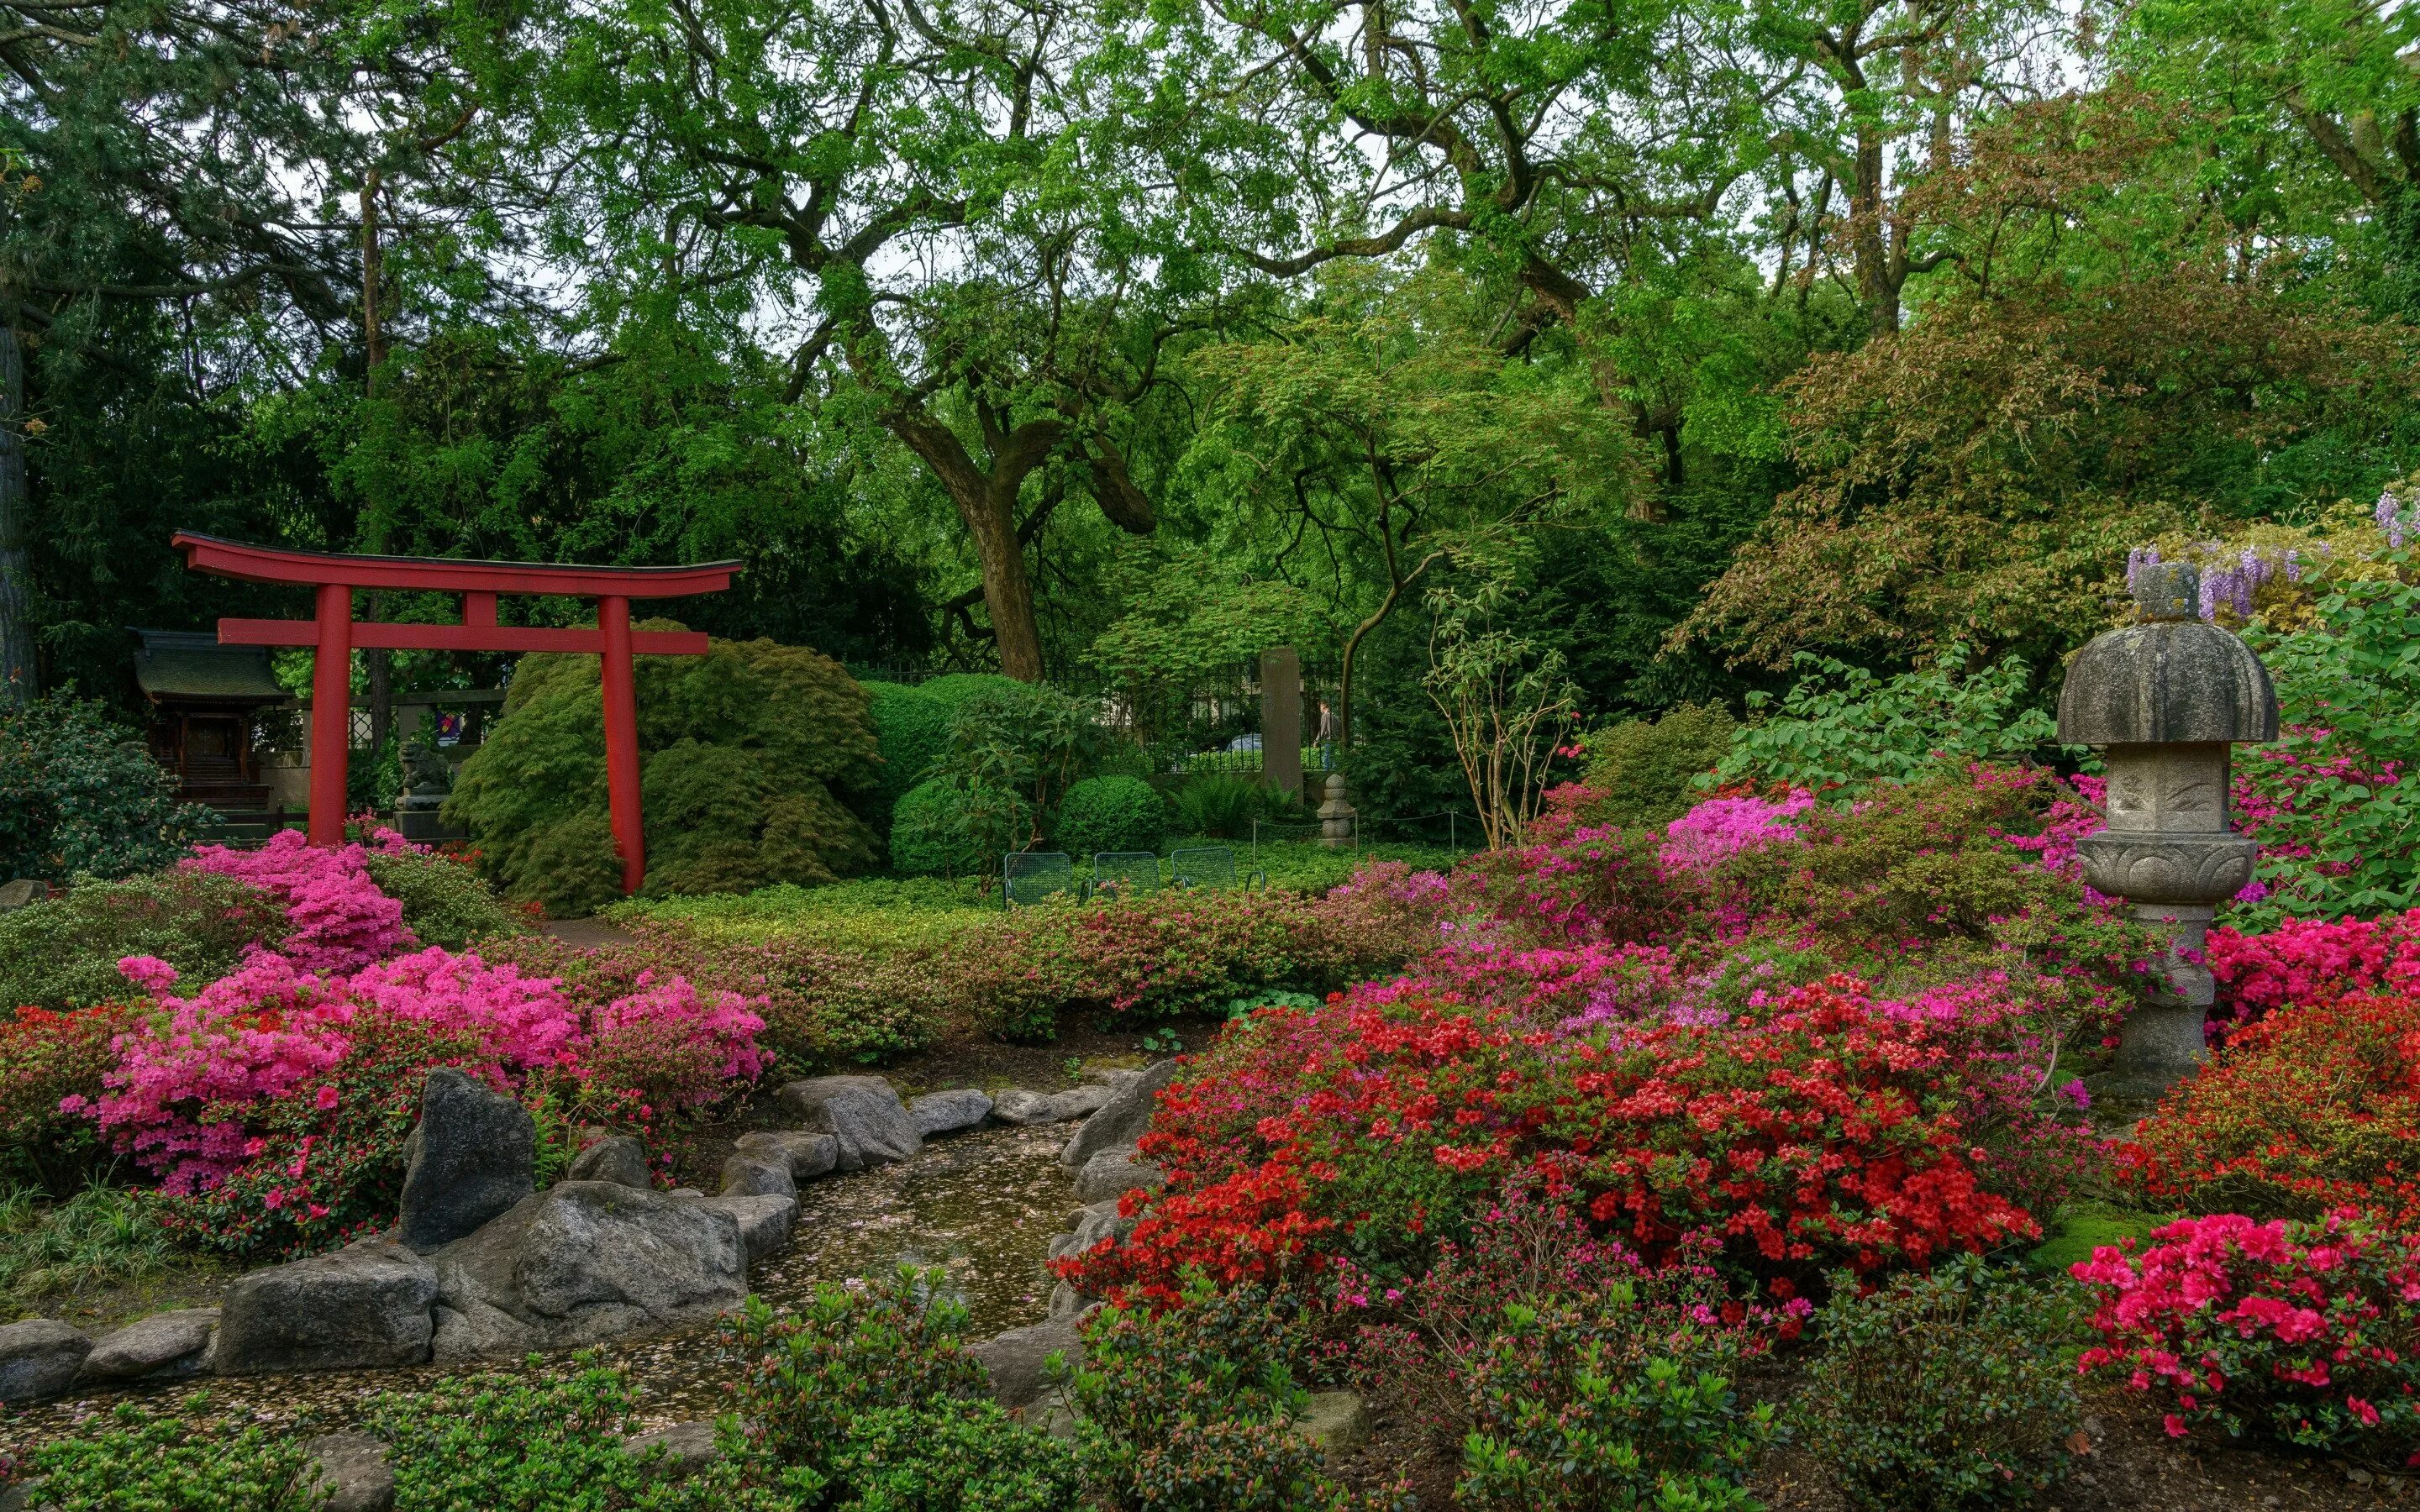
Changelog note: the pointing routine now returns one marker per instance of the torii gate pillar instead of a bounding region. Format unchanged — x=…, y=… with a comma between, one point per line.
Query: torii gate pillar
x=332, y=634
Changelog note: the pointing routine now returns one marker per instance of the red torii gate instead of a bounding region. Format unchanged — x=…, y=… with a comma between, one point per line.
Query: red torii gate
x=334, y=634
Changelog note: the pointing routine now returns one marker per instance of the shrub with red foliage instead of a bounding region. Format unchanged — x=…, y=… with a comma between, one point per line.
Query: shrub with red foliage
x=1834, y=1130
x=45, y=1058
x=2314, y=1107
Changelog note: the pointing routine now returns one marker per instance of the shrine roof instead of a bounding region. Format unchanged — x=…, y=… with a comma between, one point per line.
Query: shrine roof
x=191, y=664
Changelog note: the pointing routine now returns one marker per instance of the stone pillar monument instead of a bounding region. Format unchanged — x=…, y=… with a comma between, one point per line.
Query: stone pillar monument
x=1281, y=720
x=2164, y=697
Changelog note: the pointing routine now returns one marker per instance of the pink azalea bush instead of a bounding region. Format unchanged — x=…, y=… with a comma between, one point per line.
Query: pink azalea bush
x=2312, y=960
x=338, y=919
x=193, y=1083
x=2300, y=1331
x=1719, y=828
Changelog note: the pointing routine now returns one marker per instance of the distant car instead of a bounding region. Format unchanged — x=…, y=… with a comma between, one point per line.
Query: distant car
x=1245, y=743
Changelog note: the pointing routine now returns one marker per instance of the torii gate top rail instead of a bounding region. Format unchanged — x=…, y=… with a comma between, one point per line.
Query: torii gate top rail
x=333, y=633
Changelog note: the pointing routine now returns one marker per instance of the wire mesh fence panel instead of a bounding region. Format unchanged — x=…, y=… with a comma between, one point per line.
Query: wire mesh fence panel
x=1036, y=876
x=1125, y=874
x=1202, y=866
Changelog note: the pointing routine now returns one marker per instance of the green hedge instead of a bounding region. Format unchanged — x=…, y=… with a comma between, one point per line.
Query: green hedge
x=1110, y=814
x=67, y=951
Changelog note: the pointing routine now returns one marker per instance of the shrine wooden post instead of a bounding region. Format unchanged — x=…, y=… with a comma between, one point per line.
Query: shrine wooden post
x=332, y=633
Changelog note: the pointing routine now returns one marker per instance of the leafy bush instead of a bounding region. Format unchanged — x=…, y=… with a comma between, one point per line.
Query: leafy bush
x=805, y=1378
x=954, y=1454
x=1841, y=726
x=502, y=1443
x=2336, y=816
x=66, y=950
x=950, y=829
x=757, y=757
x=1942, y=1391
x=1220, y=806
x=1189, y=1409
x=1109, y=813
x=2314, y=1106
x=80, y=797
x=191, y=1463
x=444, y=902
x=1645, y=772
x=2298, y=1331
x=1661, y=1434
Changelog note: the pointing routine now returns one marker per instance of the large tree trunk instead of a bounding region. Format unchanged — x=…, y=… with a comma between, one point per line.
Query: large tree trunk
x=381, y=660
x=986, y=503
x=17, y=670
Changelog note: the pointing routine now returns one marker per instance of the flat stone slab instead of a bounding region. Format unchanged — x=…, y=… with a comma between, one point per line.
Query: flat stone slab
x=1027, y=1109
x=39, y=1357
x=364, y=1307
x=1019, y=1359
x=862, y=1113
x=807, y=1156
x=1334, y=1421
x=154, y=1345
x=940, y=1113
x=763, y=1220
x=350, y=1470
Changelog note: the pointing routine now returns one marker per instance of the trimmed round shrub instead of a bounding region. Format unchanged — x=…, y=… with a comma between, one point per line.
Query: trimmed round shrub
x=1110, y=814
x=1642, y=771
x=66, y=950
x=760, y=765
x=80, y=797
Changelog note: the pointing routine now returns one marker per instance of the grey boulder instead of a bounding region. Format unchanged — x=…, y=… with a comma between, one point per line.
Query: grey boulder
x=745, y=1176
x=1122, y=1119
x=474, y=1155
x=1029, y=1109
x=583, y=1262
x=363, y=1307
x=1098, y=1222
x=807, y=1156
x=1019, y=1360
x=39, y=1357
x=164, y=1343
x=350, y=1471
x=862, y=1113
x=1113, y=1172
x=940, y=1113
x=617, y=1158
x=763, y=1220
x=677, y=1452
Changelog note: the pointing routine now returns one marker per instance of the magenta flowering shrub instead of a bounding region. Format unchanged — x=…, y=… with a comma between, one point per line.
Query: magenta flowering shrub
x=193, y=1083
x=1719, y=828
x=338, y=919
x=2303, y=1332
x=2315, y=960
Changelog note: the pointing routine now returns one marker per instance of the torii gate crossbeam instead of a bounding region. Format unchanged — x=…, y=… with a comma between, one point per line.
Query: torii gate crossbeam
x=333, y=633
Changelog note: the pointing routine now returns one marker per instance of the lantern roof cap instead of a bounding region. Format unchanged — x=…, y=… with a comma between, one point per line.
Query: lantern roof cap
x=2170, y=679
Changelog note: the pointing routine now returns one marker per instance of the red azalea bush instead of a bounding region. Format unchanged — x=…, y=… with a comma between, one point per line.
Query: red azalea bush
x=2305, y=1332
x=2314, y=1107
x=1833, y=1130
x=45, y=1058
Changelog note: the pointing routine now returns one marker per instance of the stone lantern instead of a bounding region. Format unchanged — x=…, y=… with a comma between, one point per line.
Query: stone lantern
x=2164, y=698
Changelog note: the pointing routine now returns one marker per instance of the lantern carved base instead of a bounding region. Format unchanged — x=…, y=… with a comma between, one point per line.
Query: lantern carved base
x=2162, y=1041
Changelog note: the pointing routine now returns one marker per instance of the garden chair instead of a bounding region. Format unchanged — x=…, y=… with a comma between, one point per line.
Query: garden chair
x=1206, y=867
x=1036, y=876
x=1125, y=873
